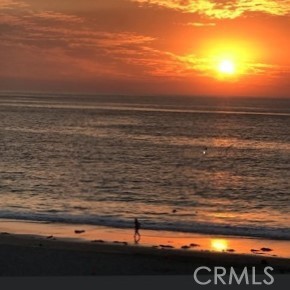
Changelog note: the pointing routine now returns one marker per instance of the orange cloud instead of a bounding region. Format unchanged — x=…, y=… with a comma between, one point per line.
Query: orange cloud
x=11, y=4
x=56, y=16
x=38, y=40
x=201, y=24
x=223, y=9
x=206, y=66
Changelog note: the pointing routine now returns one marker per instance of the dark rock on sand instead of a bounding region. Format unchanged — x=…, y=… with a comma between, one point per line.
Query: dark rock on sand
x=166, y=246
x=230, y=250
x=266, y=250
x=122, y=243
x=79, y=231
x=49, y=237
x=185, y=247
x=194, y=245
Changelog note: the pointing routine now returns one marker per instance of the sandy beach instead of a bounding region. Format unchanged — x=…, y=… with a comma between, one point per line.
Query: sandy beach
x=68, y=252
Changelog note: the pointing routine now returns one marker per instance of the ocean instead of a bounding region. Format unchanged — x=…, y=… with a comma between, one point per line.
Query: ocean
x=186, y=164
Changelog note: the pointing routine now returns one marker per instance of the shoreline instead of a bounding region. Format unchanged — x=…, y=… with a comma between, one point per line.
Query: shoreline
x=43, y=249
x=30, y=255
x=190, y=242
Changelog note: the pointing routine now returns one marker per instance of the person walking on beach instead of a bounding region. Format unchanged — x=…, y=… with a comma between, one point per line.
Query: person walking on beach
x=137, y=235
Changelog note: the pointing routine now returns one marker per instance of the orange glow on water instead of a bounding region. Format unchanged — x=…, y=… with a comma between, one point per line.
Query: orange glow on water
x=219, y=245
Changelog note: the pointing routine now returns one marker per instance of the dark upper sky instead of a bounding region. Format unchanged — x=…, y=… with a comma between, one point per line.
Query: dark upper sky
x=203, y=47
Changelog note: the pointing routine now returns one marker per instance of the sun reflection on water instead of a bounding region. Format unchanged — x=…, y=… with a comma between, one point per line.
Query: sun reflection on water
x=219, y=245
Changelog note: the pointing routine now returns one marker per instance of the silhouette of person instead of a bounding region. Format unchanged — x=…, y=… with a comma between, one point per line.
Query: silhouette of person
x=137, y=235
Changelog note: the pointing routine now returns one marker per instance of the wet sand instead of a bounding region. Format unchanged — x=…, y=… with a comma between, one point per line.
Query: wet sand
x=37, y=249
x=39, y=256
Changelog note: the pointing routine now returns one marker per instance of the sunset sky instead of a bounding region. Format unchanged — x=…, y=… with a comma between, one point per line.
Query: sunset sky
x=238, y=48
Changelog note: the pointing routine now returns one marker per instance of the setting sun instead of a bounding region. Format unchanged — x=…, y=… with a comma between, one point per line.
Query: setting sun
x=226, y=66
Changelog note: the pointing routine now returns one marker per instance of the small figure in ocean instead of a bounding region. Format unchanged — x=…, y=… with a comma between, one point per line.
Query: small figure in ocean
x=204, y=150
x=137, y=235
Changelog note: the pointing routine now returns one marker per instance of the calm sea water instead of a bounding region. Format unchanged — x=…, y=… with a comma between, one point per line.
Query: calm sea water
x=183, y=164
